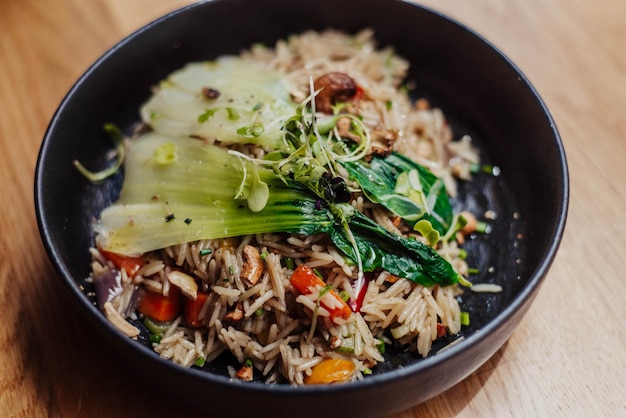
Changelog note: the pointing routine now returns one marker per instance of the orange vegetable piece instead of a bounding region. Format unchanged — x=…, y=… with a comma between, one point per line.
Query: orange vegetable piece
x=306, y=282
x=192, y=309
x=123, y=262
x=333, y=370
x=160, y=307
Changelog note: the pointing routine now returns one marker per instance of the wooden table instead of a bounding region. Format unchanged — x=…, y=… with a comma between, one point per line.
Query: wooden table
x=567, y=357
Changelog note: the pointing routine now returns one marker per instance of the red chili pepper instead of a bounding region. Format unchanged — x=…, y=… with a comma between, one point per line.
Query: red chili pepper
x=357, y=303
x=192, y=309
x=160, y=307
x=306, y=282
x=359, y=94
x=123, y=262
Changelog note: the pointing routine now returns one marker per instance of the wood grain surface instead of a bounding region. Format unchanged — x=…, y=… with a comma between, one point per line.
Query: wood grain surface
x=566, y=358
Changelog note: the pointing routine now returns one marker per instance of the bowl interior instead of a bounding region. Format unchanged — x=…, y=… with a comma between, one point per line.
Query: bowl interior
x=480, y=91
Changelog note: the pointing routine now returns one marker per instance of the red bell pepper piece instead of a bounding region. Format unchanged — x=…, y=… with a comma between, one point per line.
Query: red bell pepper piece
x=160, y=307
x=306, y=282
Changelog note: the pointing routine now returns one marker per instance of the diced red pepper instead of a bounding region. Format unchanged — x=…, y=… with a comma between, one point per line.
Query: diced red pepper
x=192, y=309
x=123, y=262
x=306, y=282
x=160, y=307
x=441, y=330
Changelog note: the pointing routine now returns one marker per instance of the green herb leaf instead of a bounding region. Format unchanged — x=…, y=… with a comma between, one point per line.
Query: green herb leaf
x=208, y=113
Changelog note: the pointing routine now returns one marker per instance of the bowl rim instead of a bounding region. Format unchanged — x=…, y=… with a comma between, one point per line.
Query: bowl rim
x=527, y=291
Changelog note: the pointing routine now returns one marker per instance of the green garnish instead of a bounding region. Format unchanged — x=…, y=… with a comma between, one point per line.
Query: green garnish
x=259, y=312
x=344, y=295
x=233, y=114
x=205, y=251
x=425, y=228
x=347, y=344
x=200, y=361
x=118, y=138
x=380, y=345
x=155, y=338
x=208, y=113
x=165, y=154
x=248, y=363
x=156, y=327
x=288, y=263
x=465, y=318
x=252, y=131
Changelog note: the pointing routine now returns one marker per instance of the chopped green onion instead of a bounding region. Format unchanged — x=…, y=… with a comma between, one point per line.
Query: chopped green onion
x=472, y=270
x=288, y=263
x=259, y=312
x=347, y=344
x=462, y=254
x=248, y=363
x=156, y=327
x=483, y=227
x=380, y=345
x=231, y=270
x=344, y=295
x=205, y=251
x=232, y=113
x=389, y=104
x=465, y=318
x=485, y=168
x=367, y=371
x=165, y=154
x=264, y=255
x=155, y=338
x=208, y=113
x=200, y=362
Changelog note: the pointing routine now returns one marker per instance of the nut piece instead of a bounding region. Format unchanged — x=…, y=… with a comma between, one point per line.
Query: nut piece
x=119, y=322
x=335, y=87
x=234, y=316
x=252, y=265
x=382, y=142
x=184, y=282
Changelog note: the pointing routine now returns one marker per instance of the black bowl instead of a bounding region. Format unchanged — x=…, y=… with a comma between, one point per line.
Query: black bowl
x=481, y=92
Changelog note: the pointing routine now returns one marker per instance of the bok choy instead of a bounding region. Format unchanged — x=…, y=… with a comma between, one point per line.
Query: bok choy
x=216, y=190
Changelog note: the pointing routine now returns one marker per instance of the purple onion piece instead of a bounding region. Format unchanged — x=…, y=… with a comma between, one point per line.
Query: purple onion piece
x=107, y=285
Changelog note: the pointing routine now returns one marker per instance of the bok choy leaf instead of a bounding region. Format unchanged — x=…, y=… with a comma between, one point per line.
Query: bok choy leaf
x=404, y=187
